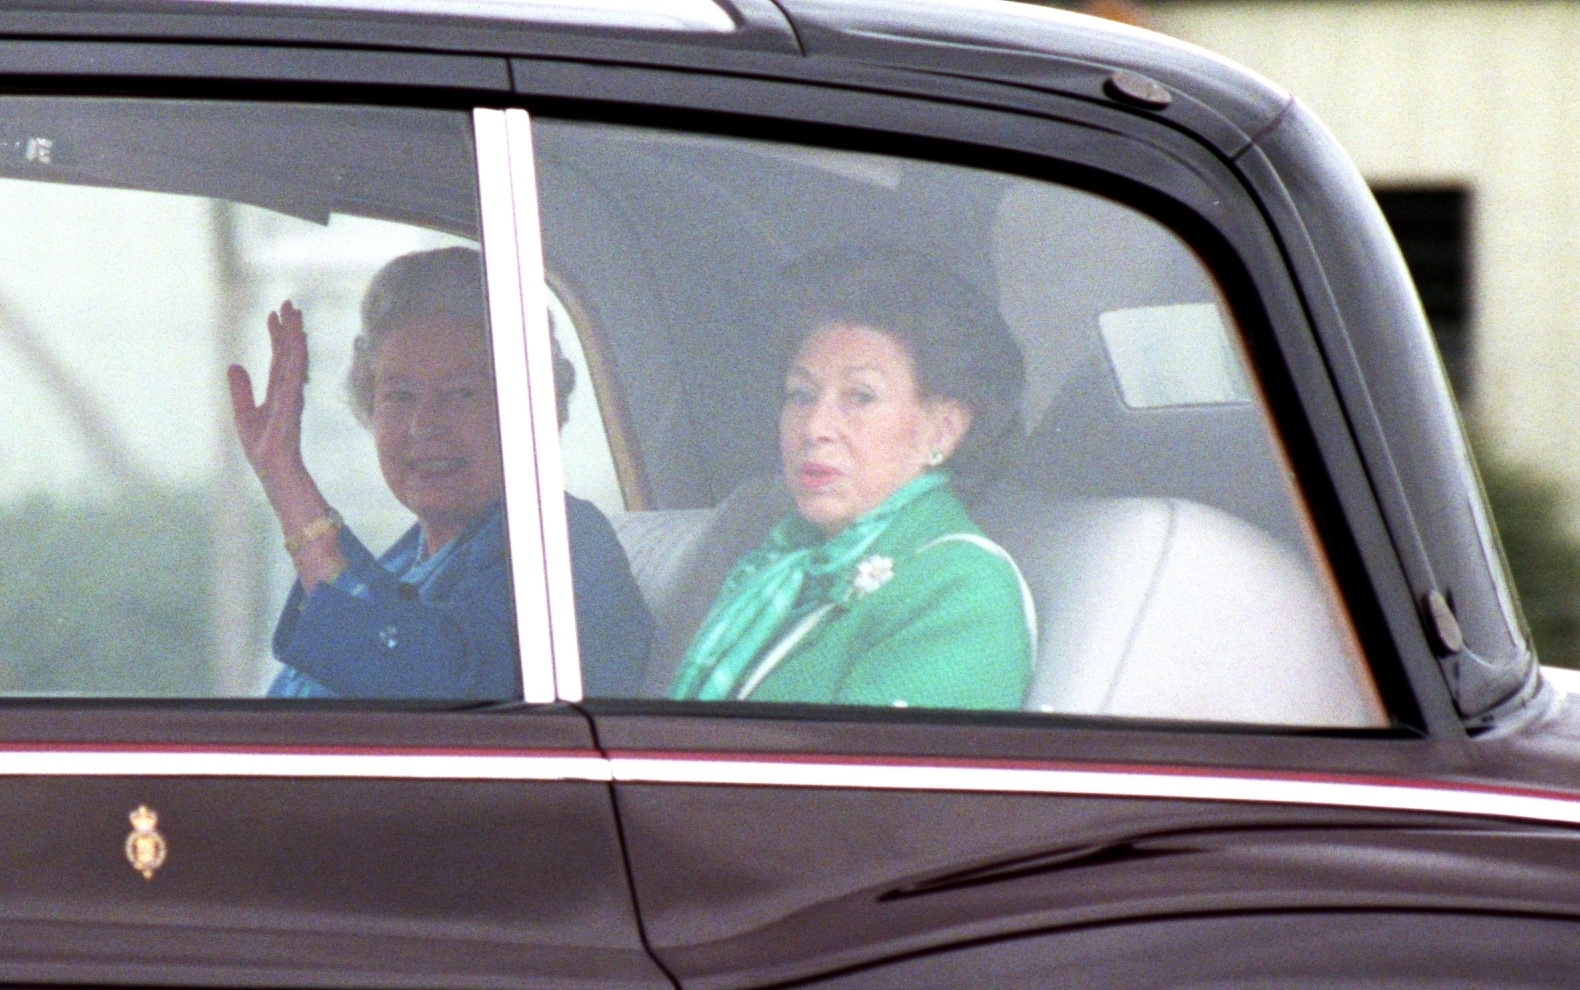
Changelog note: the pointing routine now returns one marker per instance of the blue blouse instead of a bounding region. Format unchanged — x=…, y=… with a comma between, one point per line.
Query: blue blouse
x=443, y=627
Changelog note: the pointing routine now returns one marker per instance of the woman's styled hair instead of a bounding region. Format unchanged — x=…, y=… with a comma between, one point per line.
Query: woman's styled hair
x=446, y=283
x=959, y=344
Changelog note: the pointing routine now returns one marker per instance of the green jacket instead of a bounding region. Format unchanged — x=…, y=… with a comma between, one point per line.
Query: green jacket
x=952, y=628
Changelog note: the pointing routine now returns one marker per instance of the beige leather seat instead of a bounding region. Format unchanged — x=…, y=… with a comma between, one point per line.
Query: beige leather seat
x=1169, y=609
x=1147, y=607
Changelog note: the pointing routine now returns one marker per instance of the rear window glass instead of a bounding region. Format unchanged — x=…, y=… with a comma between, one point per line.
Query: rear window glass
x=158, y=248
x=896, y=433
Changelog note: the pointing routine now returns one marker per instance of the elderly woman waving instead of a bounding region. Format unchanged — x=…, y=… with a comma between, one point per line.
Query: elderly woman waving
x=432, y=617
x=879, y=590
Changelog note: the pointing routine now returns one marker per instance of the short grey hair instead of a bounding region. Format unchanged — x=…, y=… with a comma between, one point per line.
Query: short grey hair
x=447, y=283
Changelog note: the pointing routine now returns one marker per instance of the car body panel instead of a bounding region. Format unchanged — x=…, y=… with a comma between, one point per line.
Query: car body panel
x=416, y=851
x=1273, y=949
x=1044, y=49
x=1446, y=543
x=1043, y=865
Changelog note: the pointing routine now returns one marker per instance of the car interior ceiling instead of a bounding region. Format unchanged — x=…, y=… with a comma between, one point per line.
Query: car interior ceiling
x=310, y=162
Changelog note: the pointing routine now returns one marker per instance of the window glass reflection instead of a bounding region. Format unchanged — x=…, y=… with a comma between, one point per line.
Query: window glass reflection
x=918, y=435
x=147, y=560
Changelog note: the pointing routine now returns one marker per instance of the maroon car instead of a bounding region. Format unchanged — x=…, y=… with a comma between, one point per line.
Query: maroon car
x=1217, y=680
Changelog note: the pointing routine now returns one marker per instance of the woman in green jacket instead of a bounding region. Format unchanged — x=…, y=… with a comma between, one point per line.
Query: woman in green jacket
x=904, y=382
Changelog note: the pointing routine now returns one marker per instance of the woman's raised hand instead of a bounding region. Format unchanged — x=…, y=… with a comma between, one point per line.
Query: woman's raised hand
x=271, y=433
x=271, y=437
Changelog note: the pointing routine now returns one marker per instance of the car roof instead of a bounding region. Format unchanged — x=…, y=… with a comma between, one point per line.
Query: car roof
x=1035, y=46
x=628, y=30
x=1000, y=41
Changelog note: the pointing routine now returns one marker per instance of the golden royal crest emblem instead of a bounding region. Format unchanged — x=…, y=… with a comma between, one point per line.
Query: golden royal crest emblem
x=145, y=847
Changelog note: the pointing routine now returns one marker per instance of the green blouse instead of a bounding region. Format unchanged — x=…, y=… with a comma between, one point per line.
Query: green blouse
x=940, y=618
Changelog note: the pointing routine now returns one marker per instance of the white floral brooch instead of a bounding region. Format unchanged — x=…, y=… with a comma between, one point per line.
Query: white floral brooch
x=871, y=574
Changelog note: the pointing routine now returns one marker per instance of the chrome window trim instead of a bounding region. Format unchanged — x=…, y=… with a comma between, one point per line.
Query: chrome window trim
x=511, y=273
x=1290, y=788
x=438, y=764
x=703, y=16
x=545, y=415
x=1311, y=789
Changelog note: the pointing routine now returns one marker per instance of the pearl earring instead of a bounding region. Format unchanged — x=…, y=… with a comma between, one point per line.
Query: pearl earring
x=935, y=458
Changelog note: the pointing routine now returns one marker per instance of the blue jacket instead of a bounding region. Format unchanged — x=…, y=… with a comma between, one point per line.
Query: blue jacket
x=451, y=636
x=450, y=633
x=612, y=621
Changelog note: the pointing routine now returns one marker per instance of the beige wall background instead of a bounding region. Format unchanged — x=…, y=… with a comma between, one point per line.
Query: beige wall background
x=1482, y=93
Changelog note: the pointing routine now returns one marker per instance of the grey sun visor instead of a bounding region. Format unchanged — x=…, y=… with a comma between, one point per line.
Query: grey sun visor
x=414, y=166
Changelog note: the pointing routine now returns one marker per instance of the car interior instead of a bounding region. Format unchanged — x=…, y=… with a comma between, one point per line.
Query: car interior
x=1151, y=509
x=155, y=236
x=399, y=165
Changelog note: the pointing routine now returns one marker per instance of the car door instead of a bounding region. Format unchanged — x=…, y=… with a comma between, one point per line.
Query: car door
x=1265, y=949
x=168, y=816
x=1235, y=709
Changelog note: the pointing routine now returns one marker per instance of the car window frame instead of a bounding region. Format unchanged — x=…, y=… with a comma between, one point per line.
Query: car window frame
x=533, y=462
x=77, y=71
x=518, y=316
x=1163, y=171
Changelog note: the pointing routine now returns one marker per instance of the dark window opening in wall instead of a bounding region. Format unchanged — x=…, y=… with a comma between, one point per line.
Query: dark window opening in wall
x=1432, y=227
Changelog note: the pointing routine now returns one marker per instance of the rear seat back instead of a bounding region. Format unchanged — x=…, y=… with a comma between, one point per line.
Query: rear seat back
x=1168, y=609
x=1147, y=607
x=680, y=558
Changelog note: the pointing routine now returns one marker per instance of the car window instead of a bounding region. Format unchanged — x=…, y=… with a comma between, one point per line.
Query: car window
x=156, y=245
x=915, y=434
